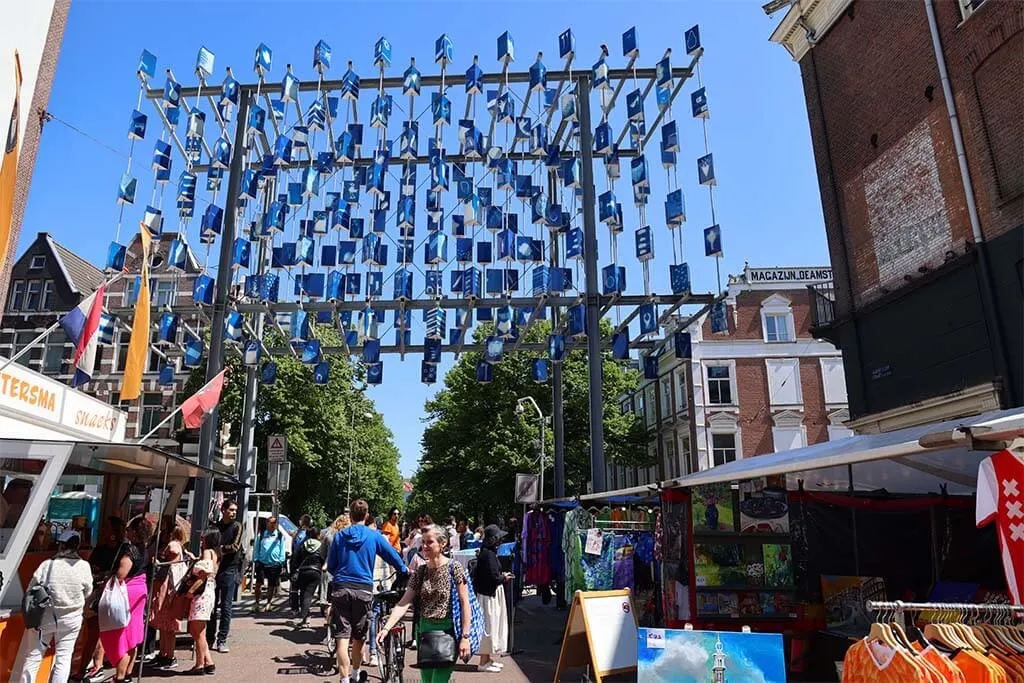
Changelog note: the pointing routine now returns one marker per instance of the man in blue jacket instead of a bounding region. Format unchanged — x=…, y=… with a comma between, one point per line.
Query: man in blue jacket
x=350, y=563
x=269, y=560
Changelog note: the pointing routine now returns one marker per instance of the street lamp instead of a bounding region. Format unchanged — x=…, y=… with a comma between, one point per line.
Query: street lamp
x=520, y=409
x=352, y=455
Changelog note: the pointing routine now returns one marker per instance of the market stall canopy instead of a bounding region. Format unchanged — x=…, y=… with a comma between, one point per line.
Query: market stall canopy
x=129, y=459
x=912, y=460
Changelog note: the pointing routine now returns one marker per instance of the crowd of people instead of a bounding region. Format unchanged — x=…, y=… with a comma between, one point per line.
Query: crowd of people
x=137, y=567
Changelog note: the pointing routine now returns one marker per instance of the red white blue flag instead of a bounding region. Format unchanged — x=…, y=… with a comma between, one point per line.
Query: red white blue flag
x=82, y=325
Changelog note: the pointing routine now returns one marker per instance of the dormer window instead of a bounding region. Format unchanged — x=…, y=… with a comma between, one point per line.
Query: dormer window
x=38, y=262
x=777, y=324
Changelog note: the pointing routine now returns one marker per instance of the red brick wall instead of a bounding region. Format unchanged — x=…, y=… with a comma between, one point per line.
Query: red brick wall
x=889, y=152
x=745, y=318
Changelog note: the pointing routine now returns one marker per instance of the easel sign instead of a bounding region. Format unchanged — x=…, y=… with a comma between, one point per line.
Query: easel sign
x=601, y=633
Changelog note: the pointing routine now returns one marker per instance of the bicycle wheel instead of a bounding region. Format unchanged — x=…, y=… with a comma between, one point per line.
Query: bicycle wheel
x=332, y=643
x=398, y=653
x=383, y=658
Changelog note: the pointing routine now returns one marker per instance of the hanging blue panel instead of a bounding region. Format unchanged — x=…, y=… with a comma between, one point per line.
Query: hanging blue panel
x=166, y=376
x=556, y=347
x=168, y=334
x=577, y=324
x=268, y=375
x=428, y=372
x=719, y=321
x=648, y=319
x=193, y=353
x=650, y=367
x=311, y=352
x=322, y=373
x=620, y=345
x=484, y=372
x=431, y=350
x=681, y=342
x=251, y=353
x=539, y=370
x=375, y=373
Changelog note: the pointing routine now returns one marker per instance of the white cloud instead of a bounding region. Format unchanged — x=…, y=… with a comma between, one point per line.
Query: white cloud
x=682, y=660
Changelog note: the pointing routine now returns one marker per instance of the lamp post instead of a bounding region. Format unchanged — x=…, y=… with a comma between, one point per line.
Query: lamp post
x=352, y=455
x=520, y=403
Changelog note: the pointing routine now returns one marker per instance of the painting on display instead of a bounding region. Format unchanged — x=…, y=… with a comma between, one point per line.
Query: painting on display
x=845, y=599
x=712, y=508
x=763, y=509
x=677, y=656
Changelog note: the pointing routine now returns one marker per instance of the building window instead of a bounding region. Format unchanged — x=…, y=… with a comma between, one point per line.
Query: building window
x=719, y=385
x=21, y=341
x=155, y=359
x=681, y=397
x=56, y=352
x=17, y=297
x=38, y=262
x=788, y=438
x=684, y=453
x=152, y=412
x=776, y=327
x=35, y=288
x=833, y=380
x=784, y=382
x=968, y=7
x=837, y=432
x=122, y=349
x=723, y=449
x=129, y=293
x=47, y=296
x=625, y=406
x=667, y=409
x=163, y=293
x=671, y=461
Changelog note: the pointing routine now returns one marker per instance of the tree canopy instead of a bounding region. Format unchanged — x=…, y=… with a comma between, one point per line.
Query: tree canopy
x=475, y=442
x=322, y=434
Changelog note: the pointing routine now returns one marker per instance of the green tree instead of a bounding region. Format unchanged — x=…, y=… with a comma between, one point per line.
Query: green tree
x=322, y=435
x=475, y=442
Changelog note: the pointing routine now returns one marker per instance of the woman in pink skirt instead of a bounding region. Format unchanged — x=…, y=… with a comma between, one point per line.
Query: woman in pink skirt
x=121, y=644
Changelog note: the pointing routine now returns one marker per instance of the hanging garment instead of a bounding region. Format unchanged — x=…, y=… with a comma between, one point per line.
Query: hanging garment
x=622, y=569
x=659, y=537
x=576, y=520
x=875, y=662
x=538, y=549
x=598, y=570
x=1001, y=499
x=557, y=523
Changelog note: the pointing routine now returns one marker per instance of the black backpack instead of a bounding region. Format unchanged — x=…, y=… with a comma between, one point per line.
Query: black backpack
x=36, y=600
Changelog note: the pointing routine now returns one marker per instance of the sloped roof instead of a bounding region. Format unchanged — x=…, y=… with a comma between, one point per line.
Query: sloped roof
x=82, y=276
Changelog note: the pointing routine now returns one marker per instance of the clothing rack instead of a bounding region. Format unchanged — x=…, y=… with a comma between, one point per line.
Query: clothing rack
x=899, y=606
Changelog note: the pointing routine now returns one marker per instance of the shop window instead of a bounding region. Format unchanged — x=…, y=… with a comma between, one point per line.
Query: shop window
x=35, y=288
x=38, y=262
x=56, y=353
x=719, y=385
x=16, y=299
x=723, y=448
x=833, y=380
x=152, y=412
x=784, y=381
x=47, y=296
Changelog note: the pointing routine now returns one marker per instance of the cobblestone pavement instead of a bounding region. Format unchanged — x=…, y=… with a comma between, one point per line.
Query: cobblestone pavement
x=267, y=647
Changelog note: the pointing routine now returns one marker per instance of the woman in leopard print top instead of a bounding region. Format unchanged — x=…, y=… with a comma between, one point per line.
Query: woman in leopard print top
x=430, y=587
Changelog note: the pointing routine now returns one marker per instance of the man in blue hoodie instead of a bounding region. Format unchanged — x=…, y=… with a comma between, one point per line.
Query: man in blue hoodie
x=350, y=563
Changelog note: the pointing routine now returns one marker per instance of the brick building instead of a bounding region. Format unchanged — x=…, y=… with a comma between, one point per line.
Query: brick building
x=49, y=279
x=916, y=112
x=766, y=385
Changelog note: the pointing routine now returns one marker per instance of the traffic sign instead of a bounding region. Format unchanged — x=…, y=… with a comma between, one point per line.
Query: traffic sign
x=527, y=488
x=277, y=448
x=279, y=476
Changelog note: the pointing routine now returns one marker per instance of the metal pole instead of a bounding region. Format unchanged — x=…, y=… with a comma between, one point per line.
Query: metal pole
x=247, y=461
x=541, y=454
x=594, y=356
x=557, y=397
x=351, y=455
x=215, y=362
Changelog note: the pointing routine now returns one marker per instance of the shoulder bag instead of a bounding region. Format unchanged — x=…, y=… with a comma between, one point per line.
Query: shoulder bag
x=436, y=649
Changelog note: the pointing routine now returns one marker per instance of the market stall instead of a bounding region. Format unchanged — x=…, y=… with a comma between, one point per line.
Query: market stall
x=132, y=477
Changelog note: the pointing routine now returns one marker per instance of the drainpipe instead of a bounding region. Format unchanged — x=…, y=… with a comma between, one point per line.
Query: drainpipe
x=992, y=325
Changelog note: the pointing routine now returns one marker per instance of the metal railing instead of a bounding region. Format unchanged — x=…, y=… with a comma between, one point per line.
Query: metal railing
x=823, y=304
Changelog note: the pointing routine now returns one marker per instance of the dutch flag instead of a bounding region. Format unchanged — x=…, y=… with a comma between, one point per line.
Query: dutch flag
x=82, y=325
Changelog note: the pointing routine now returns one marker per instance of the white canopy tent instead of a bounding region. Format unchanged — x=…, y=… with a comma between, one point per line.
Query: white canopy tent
x=912, y=460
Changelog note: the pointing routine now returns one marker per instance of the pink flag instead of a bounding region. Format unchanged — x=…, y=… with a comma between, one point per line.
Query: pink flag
x=200, y=404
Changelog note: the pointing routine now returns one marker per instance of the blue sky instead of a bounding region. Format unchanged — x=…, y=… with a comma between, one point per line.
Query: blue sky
x=766, y=201
x=689, y=656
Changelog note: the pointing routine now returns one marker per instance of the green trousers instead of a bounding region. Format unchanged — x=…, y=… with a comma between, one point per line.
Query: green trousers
x=435, y=675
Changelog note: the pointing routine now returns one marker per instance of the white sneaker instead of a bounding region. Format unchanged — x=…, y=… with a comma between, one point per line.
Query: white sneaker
x=492, y=668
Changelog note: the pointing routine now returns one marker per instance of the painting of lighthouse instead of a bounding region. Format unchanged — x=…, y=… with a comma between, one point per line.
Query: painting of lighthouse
x=675, y=656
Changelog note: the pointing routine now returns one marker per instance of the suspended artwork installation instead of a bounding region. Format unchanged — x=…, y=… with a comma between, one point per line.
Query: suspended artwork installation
x=403, y=208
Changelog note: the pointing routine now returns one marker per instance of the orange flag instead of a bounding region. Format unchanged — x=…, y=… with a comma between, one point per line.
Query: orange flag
x=9, y=168
x=138, y=345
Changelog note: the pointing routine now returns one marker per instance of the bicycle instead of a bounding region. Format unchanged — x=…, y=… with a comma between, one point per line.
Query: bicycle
x=390, y=656
x=325, y=612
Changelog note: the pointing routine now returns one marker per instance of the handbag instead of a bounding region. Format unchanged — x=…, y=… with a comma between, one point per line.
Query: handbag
x=477, y=628
x=36, y=600
x=436, y=650
x=114, y=611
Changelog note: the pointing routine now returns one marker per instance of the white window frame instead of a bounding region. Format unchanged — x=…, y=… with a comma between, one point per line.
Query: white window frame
x=829, y=364
x=683, y=449
x=968, y=8
x=778, y=305
x=679, y=389
x=735, y=443
x=27, y=306
x=837, y=428
x=769, y=364
x=786, y=423
x=46, y=299
x=16, y=299
x=169, y=290
x=733, y=393
x=778, y=434
x=671, y=460
x=38, y=262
